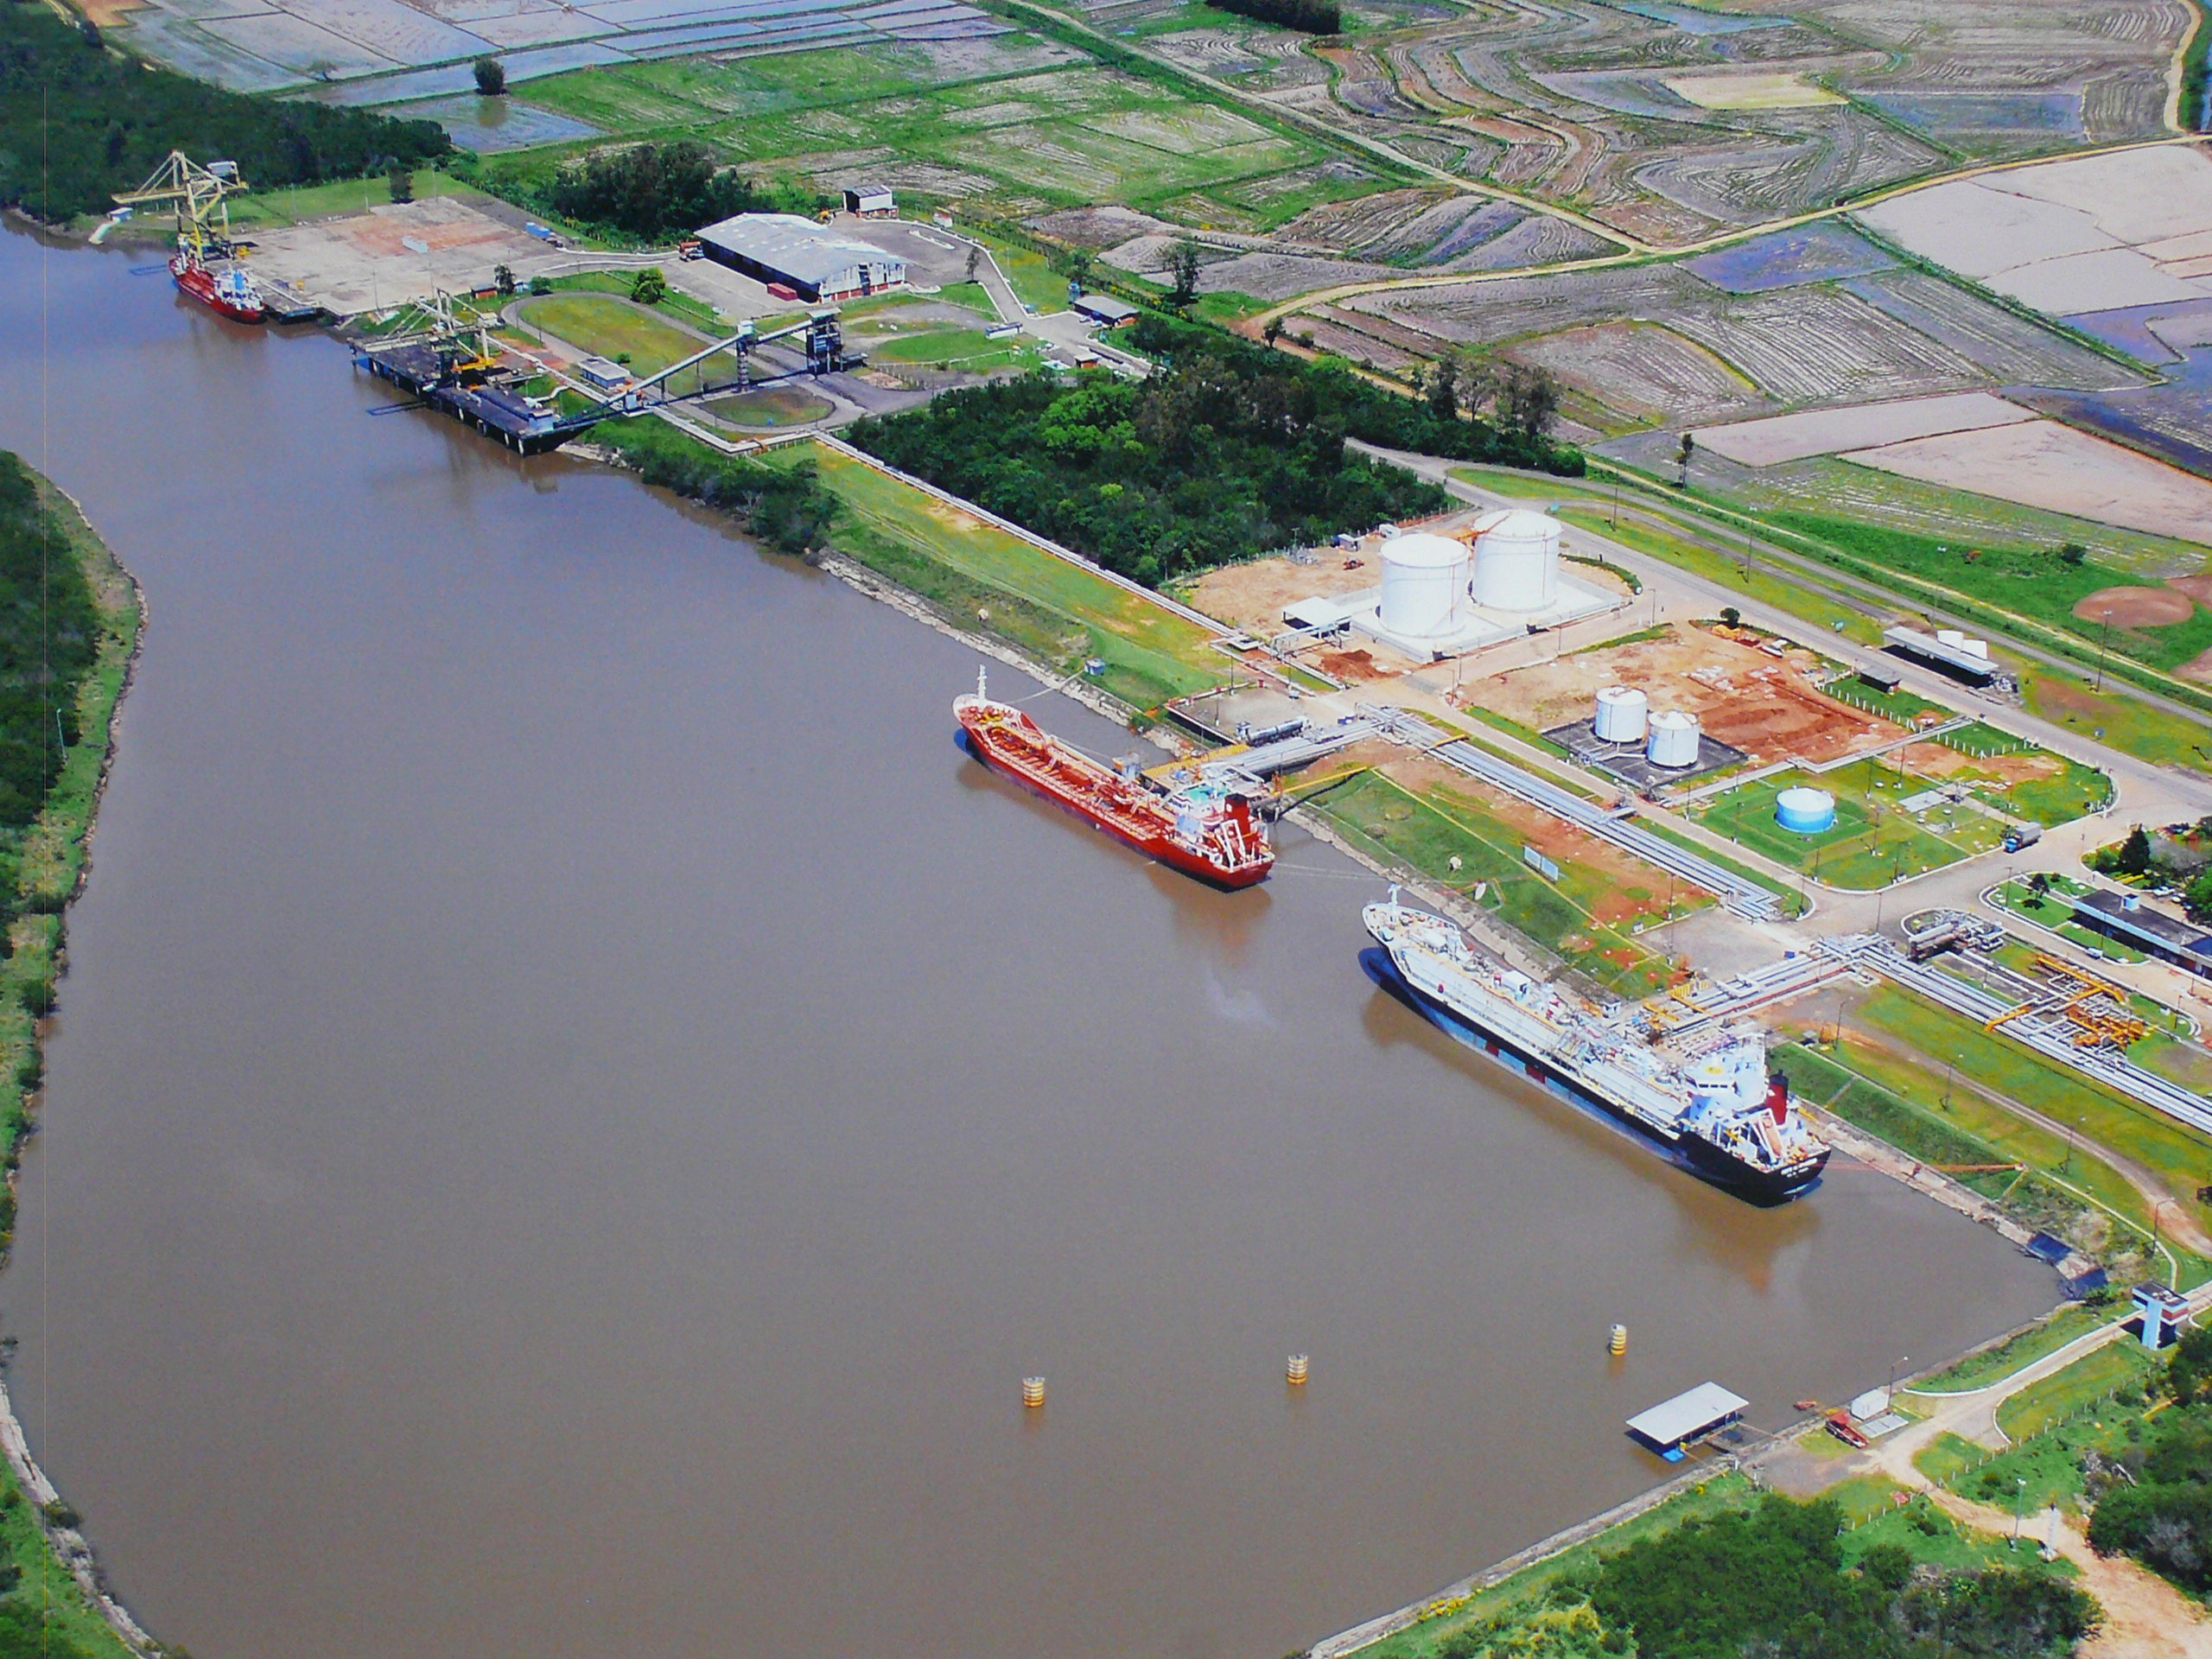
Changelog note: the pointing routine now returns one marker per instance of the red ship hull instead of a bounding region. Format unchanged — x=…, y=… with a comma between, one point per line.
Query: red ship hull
x=1231, y=853
x=196, y=280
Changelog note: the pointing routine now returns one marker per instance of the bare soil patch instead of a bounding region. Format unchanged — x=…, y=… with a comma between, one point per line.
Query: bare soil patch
x=2136, y=608
x=2198, y=668
x=1253, y=595
x=1933, y=760
x=1763, y=705
x=2198, y=588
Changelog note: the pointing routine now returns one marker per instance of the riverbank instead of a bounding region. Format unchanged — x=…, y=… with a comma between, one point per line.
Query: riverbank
x=55, y=1579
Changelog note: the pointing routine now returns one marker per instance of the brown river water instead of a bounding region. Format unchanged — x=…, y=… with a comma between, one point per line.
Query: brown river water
x=573, y=1107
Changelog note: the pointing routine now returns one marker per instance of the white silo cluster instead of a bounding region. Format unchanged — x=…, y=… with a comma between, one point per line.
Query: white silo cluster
x=1516, y=561
x=1673, y=738
x=1624, y=715
x=1424, y=586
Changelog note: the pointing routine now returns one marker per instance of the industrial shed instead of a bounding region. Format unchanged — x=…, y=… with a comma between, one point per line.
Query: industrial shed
x=813, y=261
x=1105, y=310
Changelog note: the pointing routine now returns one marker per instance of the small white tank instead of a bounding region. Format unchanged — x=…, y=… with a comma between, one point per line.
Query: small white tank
x=1424, y=586
x=1516, y=561
x=1673, y=738
x=1622, y=714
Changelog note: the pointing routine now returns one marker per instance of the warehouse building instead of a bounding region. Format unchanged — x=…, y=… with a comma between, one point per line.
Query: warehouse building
x=813, y=261
x=1105, y=310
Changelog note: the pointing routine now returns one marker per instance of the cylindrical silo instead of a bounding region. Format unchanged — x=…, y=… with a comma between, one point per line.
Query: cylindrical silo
x=1673, y=738
x=1622, y=714
x=1516, y=561
x=1806, y=811
x=1424, y=586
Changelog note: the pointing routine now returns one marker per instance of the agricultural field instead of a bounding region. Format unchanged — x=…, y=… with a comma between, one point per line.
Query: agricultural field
x=1782, y=322
x=1669, y=123
x=1014, y=126
x=378, y=51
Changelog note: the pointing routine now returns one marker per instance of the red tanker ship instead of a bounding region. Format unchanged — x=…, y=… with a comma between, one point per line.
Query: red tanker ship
x=1199, y=829
x=227, y=291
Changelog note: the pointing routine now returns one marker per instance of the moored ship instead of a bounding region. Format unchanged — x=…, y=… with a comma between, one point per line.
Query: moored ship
x=228, y=291
x=1197, y=827
x=1716, y=1111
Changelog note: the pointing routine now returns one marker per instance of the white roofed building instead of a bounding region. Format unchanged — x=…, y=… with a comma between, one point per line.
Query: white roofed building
x=817, y=262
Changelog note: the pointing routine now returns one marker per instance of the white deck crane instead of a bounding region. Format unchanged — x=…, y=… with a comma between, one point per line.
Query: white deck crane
x=199, y=196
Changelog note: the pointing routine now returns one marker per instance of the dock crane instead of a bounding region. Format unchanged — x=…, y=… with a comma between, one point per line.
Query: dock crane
x=199, y=196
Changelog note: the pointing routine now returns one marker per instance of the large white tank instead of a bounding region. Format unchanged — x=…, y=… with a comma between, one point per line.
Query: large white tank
x=1621, y=715
x=1424, y=586
x=1673, y=738
x=1516, y=561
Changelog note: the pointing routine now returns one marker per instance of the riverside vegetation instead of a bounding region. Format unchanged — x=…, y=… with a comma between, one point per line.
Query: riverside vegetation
x=79, y=122
x=69, y=619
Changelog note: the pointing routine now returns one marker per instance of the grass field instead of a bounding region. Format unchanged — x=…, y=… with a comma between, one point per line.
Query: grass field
x=2042, y=1406
x=2046, y=1336
x=1872, y=844
x=2114, y=717
x=613, y=327
x=1426, y=830
x=772, y=407
x=1057, y=612
x=307, y=201
x=2178, y=1157
x=969, y=349
x=696, y=313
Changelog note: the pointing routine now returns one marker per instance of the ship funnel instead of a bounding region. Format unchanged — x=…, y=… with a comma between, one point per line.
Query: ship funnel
x=1778, y=1098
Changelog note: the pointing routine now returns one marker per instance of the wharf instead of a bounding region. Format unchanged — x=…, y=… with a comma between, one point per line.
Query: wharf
x=493, y=411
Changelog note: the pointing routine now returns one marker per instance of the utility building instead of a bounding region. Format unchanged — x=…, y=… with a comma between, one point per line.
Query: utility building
x=871, y=200
x=818, y=263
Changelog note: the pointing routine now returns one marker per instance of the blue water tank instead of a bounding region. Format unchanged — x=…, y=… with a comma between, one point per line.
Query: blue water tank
x=1806, y=811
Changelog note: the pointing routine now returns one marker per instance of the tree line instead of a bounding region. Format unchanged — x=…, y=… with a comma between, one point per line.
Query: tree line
x=785, y=508
x=79, y=122
x=652, y=193
x=1774, y=1581
x=1508, y=420
x=1196, y=466
x=1312, y=17
x=2154, y=1496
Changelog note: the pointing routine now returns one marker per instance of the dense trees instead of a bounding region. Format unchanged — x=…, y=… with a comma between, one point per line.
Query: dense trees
x=784, y=507
x=1772, y=1581
x=1517, y=434
x=1313, y=16
x=2154, y=1501
x=96, y=123
x=1192, y=468
x=48, y=638
x=653, y=192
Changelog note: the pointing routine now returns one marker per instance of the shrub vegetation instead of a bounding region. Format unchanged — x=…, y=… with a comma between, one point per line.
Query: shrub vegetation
x=1312, y=17
x=652, y=191
x=97, y=122
x=2156, y=1504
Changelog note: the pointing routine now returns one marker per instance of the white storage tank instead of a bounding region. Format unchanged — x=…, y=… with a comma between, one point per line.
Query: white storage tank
x=1805, y=811
x=1516, y=561
x=1622, y=714
x=1424, y=586
x=1673, y=738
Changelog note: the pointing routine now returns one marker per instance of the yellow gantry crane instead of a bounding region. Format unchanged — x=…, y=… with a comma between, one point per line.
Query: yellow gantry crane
x=199, y=197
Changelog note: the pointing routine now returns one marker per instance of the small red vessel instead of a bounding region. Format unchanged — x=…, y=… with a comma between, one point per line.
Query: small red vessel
x=224, y=291
x=1200, y=828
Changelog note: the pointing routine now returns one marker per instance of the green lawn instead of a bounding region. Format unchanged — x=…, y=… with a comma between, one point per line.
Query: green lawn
x=1872, y=844
x=608, y=326
x=2046, y=1336
x=2112, y=716
x=695, y=314
x=1058, y=613
x=2179, y=1157
x=950, y=348
x=2042, y=1406
x=1426, y=831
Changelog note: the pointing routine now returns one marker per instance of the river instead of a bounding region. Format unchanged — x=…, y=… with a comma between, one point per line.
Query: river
x=573, y=1107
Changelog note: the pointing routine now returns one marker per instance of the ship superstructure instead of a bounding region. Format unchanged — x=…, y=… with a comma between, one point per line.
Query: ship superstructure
x=1204, y=828
x=1716, y=1108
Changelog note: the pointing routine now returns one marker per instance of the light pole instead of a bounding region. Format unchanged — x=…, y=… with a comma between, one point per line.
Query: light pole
x=1890, y=1388
x=2104, y=633
x=2020, y=1504
x=1950, y=1072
